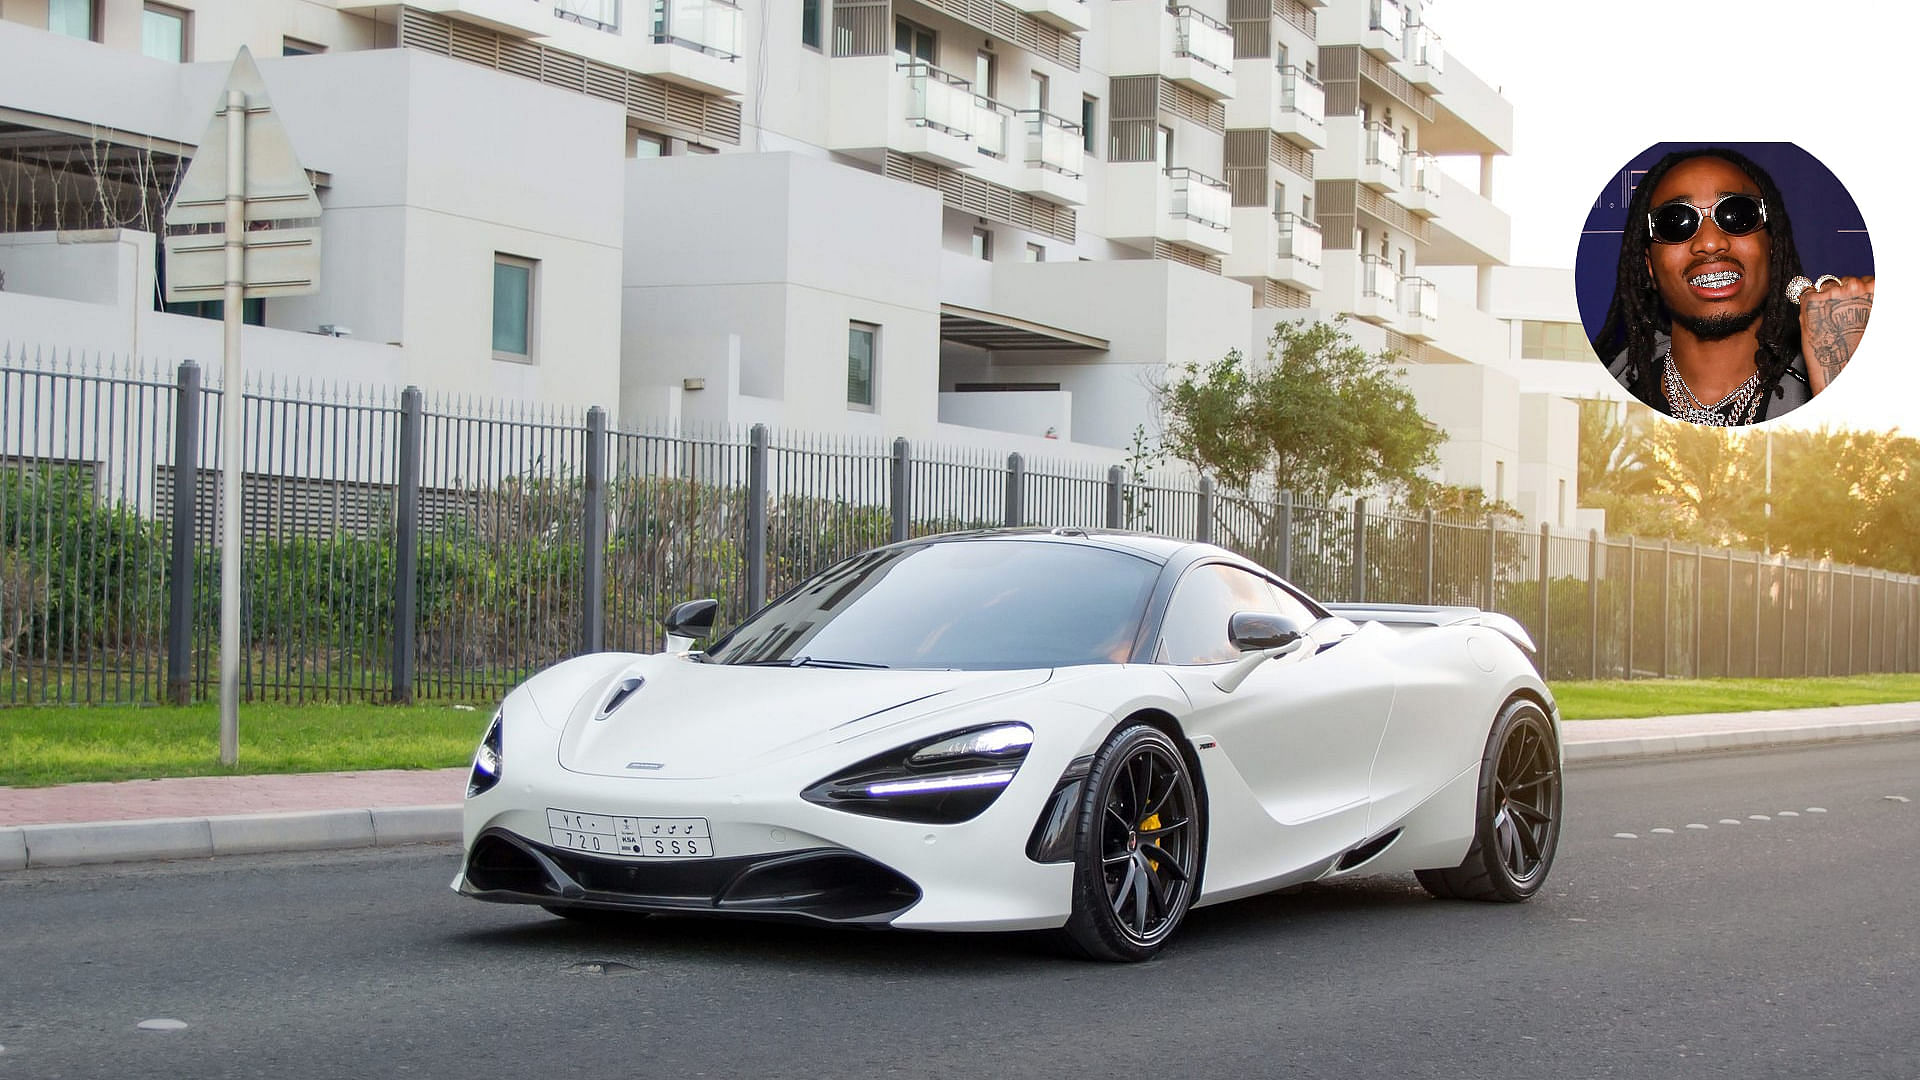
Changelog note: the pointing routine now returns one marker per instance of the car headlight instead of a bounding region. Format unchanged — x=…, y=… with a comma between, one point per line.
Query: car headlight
x=951, y=779
x=486, y=761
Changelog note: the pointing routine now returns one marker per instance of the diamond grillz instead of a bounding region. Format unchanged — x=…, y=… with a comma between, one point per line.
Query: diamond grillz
x=1717, y=279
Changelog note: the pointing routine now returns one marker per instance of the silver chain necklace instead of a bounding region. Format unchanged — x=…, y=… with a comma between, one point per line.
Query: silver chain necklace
x=1735, y=410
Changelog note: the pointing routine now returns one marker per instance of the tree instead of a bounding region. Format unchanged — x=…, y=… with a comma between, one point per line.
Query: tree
x=1319, y=416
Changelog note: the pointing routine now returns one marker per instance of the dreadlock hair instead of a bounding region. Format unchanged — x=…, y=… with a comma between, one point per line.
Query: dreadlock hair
x=1636, y=310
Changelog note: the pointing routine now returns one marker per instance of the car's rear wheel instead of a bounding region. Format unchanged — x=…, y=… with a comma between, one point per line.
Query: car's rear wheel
x=1136, y=847
x=1517, y=821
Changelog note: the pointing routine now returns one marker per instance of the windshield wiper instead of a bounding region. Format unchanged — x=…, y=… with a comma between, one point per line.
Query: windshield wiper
x=814, y=661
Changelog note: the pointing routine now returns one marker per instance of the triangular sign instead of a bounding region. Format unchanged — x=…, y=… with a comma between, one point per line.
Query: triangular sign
x=277, y=188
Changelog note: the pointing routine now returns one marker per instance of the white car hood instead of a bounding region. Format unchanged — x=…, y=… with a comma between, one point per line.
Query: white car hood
x=694, y=721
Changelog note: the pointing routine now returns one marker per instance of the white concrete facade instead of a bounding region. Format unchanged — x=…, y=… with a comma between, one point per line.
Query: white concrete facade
x=913, y=167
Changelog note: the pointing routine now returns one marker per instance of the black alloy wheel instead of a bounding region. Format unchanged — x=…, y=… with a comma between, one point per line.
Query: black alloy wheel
x=1137, y=848
x=1517, y=826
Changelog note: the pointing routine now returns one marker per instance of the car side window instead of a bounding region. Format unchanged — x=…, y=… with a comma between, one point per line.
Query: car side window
x=1195, y=628
x=1292, y=606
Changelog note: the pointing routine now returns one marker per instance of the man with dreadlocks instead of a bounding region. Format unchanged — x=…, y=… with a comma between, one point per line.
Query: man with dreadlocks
x=1710, y=320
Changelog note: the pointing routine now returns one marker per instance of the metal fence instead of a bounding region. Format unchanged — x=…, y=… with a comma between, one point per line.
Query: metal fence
x=399, y=549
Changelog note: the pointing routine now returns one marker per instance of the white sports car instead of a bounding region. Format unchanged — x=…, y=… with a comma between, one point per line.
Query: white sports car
x=1022, y=729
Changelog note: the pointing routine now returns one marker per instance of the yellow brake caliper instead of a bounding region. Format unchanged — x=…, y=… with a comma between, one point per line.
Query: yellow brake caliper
x=1152, y=822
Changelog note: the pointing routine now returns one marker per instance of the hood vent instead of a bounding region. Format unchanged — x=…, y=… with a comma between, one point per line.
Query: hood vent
x=622, y=690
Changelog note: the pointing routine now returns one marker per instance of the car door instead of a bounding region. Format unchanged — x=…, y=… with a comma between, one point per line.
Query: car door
x=1301, y=731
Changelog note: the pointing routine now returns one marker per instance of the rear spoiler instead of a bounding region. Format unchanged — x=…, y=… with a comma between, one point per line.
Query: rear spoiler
x=1413, y=615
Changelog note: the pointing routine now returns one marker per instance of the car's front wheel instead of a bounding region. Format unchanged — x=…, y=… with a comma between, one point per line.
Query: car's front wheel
x=1517, y=820
x=1136, y=849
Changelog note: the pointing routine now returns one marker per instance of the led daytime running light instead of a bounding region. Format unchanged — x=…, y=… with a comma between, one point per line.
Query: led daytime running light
x=956, y=782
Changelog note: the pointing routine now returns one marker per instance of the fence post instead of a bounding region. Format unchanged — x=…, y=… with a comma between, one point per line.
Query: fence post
x=1666, y=602
x=1633, y=598
x=1593, y=603
x=1699, y=603
x=1283, y=565
x=1016, y=490
x=186, y=497
x=899, y=493
x=406, y=543
x=1358, y=588
x=1759, y=595
x=1493, y=559
x=593, y=537
x=1726, y=654
x=1203, y=528
x=1870, y=591
x=1116, y=506
x=756, y=517
x=1546, y=582
x=1427, y=590
x=1853, y=613
x=1833, y=608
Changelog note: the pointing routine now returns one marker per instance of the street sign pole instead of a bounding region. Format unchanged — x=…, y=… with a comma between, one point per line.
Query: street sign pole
x=232, y=420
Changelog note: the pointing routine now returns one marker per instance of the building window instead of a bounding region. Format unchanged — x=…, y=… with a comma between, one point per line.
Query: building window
x=645, y=144
x=983, y=71
x=1554, y=341
x=1036, y=253
x=163, y=33
x=73, y=18
x=1163, y=148
x=1088, y=108
x=1499, y=481
x=1560, y=518
x=1039, y=92
x=912, y=42
x=292, y=46
x=513, y=282
x=862, y=344
x=1279, y=201
x=1306, y=208
x=983, y=244
x=810, y=23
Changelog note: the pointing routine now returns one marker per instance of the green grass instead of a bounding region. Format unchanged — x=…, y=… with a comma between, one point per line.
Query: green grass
x=1676, y=697
x=63, y=744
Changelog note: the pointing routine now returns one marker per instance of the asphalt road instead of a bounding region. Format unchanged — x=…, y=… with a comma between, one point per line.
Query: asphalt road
x=1783, y=947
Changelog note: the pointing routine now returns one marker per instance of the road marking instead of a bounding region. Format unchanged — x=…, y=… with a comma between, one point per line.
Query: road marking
x=1626, y=836
x=1898, y=798
x=1758, y=817
x=1663, y=832
x=1729, y=821
x=162, y=1024
x=1788, y=813
x=1816, y=809
x=1696, y=825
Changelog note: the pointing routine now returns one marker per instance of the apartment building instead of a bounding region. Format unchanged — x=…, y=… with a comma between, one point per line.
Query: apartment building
x=992, y=222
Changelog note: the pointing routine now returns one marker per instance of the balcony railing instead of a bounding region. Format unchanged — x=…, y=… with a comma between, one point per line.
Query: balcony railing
x=1422, y=172
x=1378, y=280
x=1423, y=48
x=1419, y=298
x=1299, y=240
x=1055, y=144
x=1382, y=146
x=1388, y=17
x=1203, y=38
x=939, y=100
x=598, y=14
x=1301, y=93
x=990, y=120
x=1201, y=198
x=709, y=26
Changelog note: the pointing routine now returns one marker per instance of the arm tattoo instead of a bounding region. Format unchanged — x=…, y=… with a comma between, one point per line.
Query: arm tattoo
x=1835, y=332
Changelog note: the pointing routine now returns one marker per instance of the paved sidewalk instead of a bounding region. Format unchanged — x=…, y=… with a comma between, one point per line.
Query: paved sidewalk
x=198, y=817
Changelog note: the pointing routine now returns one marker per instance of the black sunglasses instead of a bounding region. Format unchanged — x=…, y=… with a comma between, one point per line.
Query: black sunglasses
x=1735, y=215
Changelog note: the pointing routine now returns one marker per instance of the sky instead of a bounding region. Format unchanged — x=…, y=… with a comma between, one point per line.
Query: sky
x=1593, y=83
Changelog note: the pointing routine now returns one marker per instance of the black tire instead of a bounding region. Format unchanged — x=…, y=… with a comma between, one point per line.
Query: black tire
x=1137, y=848
x=1517, y=818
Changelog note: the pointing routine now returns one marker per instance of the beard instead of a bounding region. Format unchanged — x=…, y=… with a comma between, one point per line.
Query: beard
x=1718, y=327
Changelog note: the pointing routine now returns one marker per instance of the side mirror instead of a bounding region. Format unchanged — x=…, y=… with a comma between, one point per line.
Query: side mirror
x=688, y=622
x=1250, y=630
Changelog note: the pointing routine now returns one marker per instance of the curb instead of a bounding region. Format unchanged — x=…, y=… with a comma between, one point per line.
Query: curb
x=24, y=847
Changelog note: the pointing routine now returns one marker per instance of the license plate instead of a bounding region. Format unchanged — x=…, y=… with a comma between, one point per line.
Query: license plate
x=632, y=837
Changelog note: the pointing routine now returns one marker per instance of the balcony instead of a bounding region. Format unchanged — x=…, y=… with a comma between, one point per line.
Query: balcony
x=1472, y=232
x=1419, y=307
x=1177, y=43
x=1380, y=157
x=520, y=18
x=1420, y=184
x=915, y=108
x=1377, y=301
x=1069, y=15
x=1425, y=57
x=1055, y=158
x=1181, y=206
x=1386, y=30
x=1276, y=247
x=692, y=42
x=1287, y=102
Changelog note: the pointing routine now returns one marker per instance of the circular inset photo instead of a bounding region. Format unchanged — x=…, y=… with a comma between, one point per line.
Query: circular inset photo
x=1724, y=283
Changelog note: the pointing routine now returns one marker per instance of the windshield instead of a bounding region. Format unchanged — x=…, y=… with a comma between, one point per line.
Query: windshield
x=966, y=605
